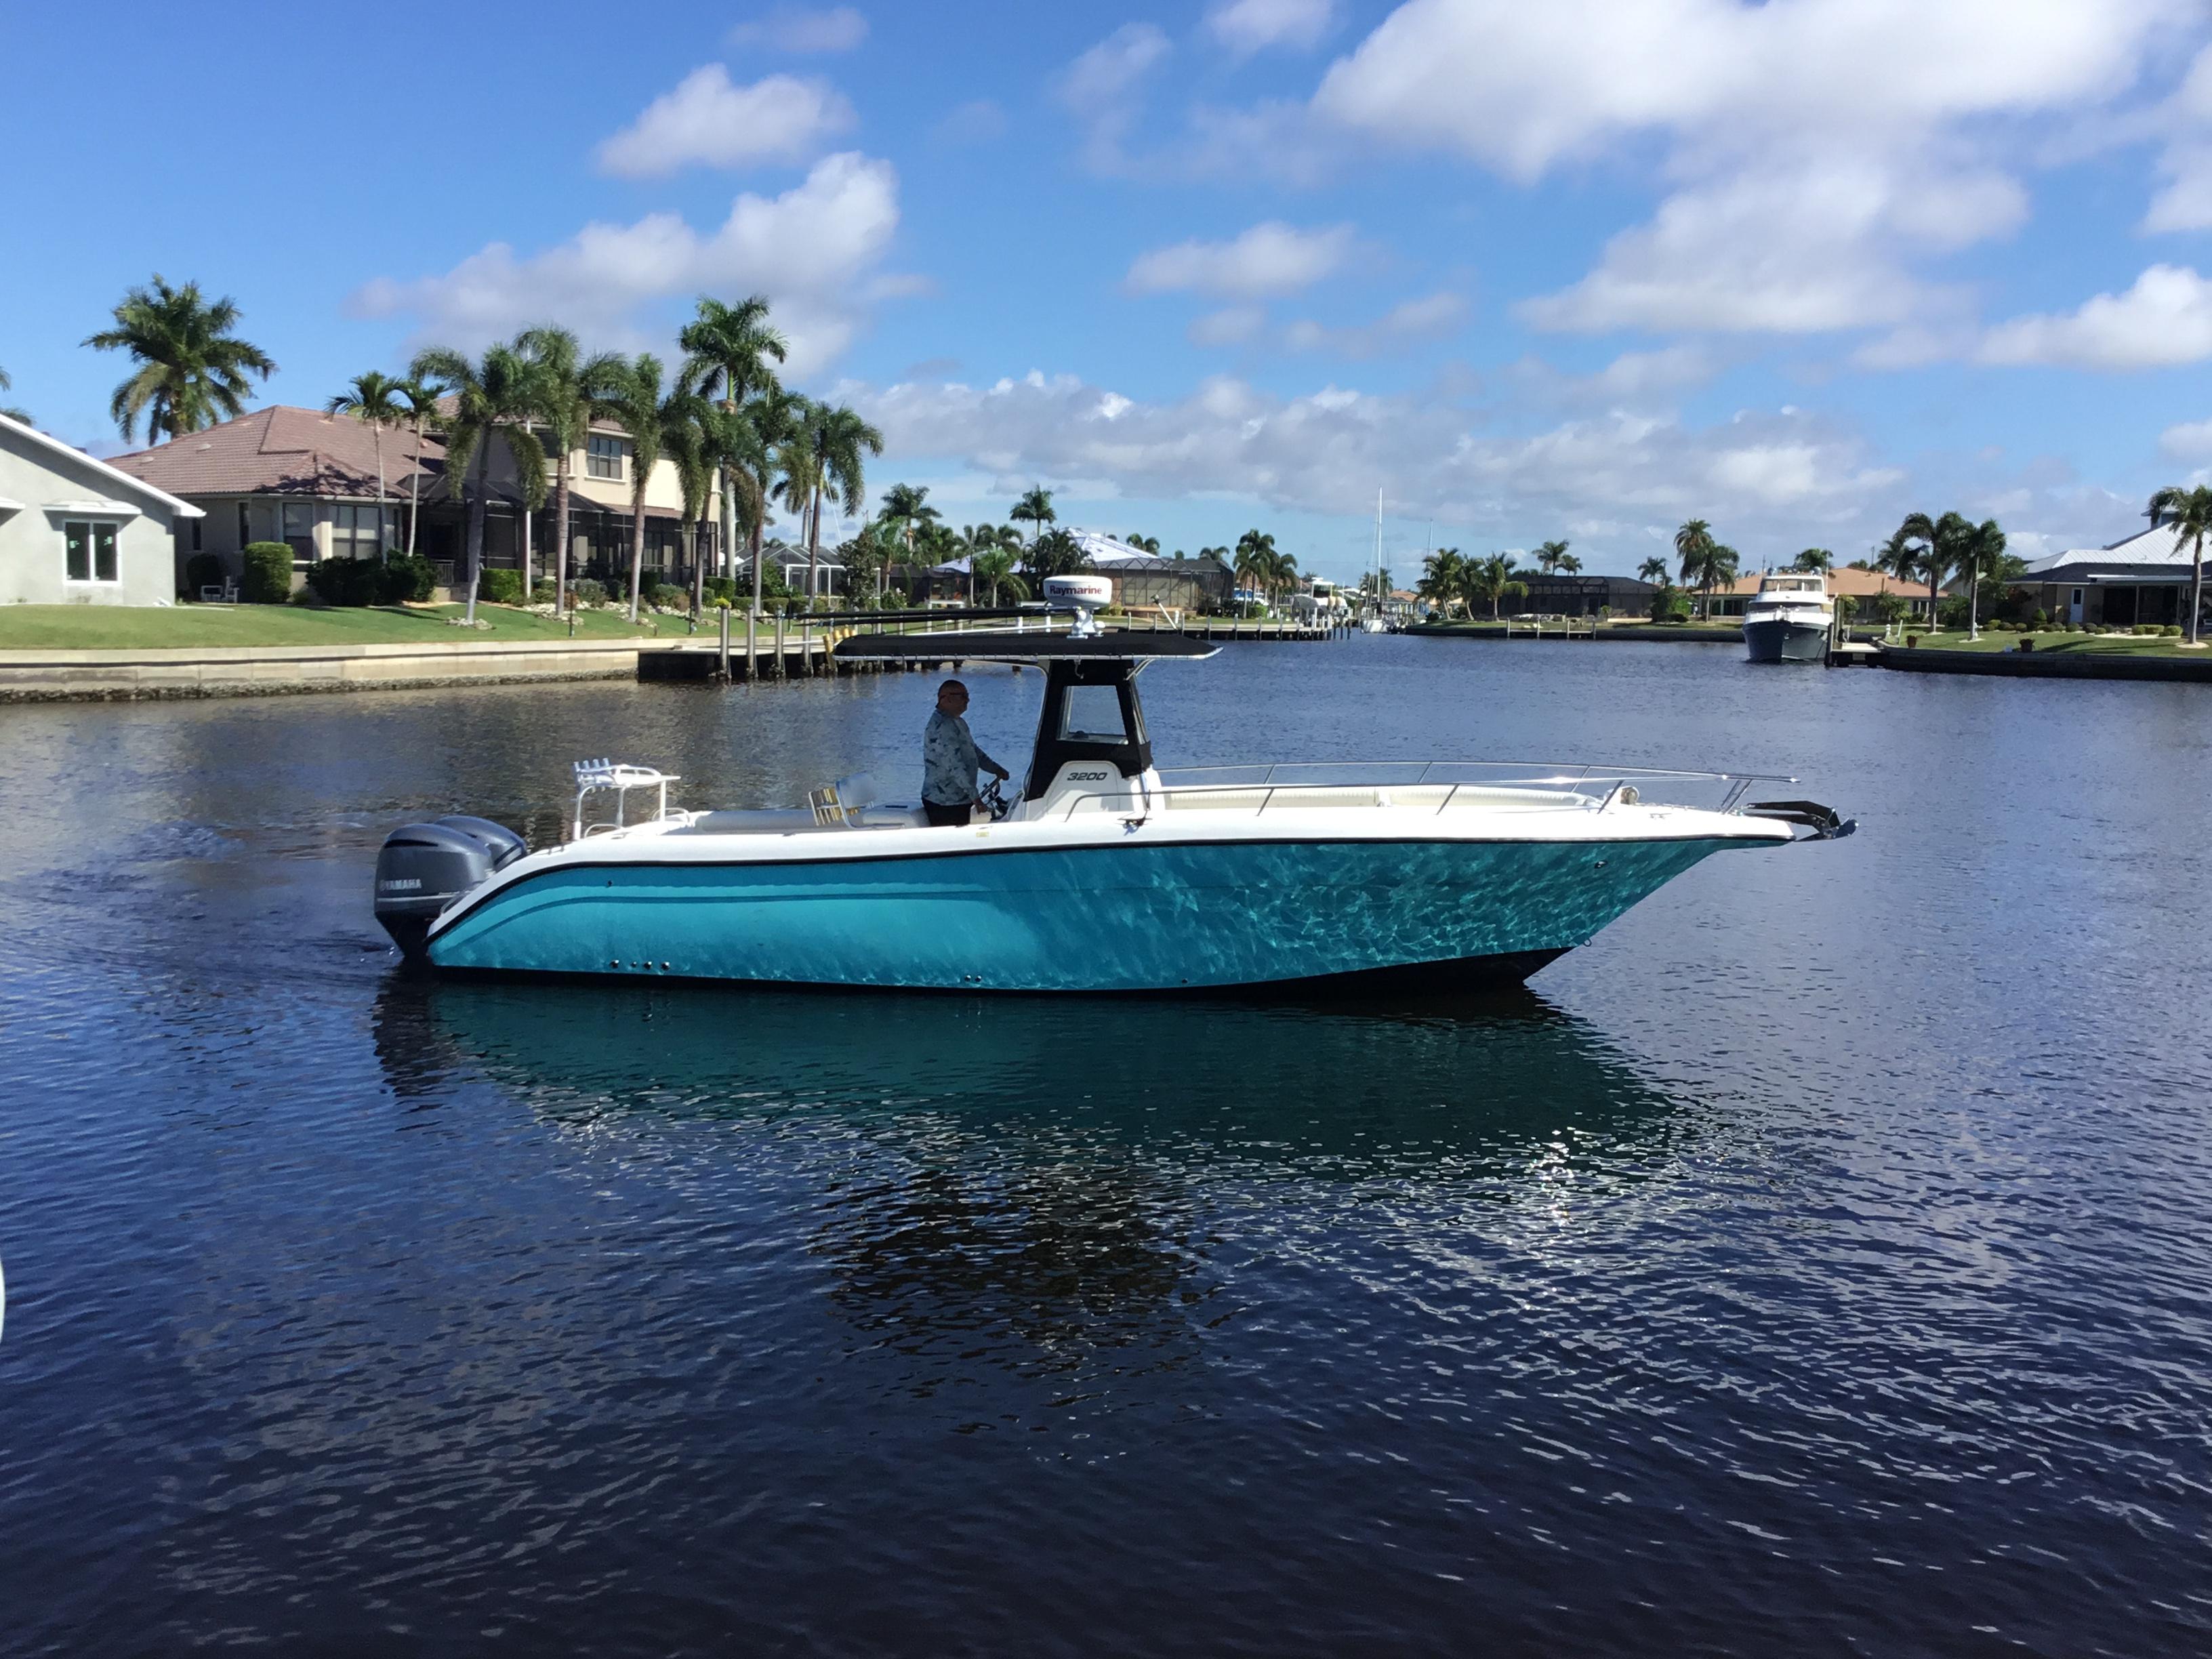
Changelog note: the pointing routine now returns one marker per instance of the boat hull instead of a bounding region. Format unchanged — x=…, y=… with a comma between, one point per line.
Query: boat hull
x=1780, y=640
x=1133, y=917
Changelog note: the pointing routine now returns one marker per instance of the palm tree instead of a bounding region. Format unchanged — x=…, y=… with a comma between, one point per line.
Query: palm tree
x=12, y=414
x=491, y=399
x=562, y=376
x=1443, y=579
x=1143, y=544
x=836, y=442
x=798, y=473
x=1942, y=544
x=1255, y=553
x=1703, y=560
x=1036, y=507
x=375, y=400
x=420, y=397
x=906, y=506
x=993, y=567
x=1281, y=572
x=725, y=353
x=1056, y=553
x=684, y=418
x=1551, y=556
x=1814, y=559
x=981, y=540
x=1493, y=579
x=2190, y=513
x=1981, y=553
x=1653, y=570
x=193, y=369
x=628, y=394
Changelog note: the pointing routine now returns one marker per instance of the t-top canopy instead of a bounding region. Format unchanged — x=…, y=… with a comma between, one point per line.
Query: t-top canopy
x=999, y=645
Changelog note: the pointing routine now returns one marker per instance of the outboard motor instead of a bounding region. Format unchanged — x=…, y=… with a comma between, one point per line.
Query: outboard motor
x=423, y=867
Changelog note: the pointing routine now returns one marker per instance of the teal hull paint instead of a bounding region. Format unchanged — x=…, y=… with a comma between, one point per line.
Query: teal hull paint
x=1123, y=918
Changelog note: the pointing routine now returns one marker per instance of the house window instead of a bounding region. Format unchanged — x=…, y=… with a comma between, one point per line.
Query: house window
x=603, y=456
x=357, y=533
x=90, y=552
x=245, y=524
x=298, y=519
x=545, y=442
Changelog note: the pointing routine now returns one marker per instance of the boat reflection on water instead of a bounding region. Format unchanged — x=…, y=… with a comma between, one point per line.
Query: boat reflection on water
x=1045, y=1184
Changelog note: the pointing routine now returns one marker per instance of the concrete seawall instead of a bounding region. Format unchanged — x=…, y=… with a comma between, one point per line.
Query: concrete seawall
x=280, y=670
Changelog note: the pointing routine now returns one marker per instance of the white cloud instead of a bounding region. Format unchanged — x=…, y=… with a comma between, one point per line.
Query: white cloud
x=1429, y=317
x=2165, y=319
x=1782, y=476
x=707, y=121
x=2190, y=441
x=1232, y=325
x=812, y=250
x=1817, y=152
x=1249, y=25
x=1103, y=89
x=1784, y=247
x=1522, y=88
x=795, y=28
x=1269, y=258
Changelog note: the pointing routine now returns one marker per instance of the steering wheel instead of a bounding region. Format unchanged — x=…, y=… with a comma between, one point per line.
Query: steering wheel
x=993, y=799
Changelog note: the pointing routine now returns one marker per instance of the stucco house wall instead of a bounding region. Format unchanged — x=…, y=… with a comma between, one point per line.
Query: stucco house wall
x=45, y=488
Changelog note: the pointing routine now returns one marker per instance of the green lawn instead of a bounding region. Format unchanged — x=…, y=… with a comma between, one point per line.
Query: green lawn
x=2062, y=644
x=130, y=628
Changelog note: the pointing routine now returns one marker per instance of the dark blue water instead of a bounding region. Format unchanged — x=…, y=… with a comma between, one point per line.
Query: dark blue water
x=1820, y=1261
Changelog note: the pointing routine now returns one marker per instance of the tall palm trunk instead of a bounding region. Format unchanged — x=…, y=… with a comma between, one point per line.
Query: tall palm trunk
x=761, y=496
x=813, y=543
x=378, y=432
x=415, y=490
x=476, y=541
x=2196, y=585
x=698, y=570
x=561, y=532
x=637, y=539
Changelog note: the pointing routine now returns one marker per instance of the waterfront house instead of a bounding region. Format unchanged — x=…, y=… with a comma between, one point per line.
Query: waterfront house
x=76, y=531
x=1860, y=587
x=2143, y=578
x=300, y=477
x=1564, y=595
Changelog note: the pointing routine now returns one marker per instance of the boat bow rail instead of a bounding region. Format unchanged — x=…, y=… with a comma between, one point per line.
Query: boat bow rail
x=1437, y=785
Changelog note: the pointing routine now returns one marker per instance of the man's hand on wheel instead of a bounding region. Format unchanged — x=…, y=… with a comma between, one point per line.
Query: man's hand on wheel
x=1001, y=772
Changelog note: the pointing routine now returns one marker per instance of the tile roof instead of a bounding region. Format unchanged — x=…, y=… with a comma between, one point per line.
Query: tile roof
x=283, y=450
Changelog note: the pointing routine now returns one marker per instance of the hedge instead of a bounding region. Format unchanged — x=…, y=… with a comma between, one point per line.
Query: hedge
x=500, y=586
x=202, y=570
x=267, y=578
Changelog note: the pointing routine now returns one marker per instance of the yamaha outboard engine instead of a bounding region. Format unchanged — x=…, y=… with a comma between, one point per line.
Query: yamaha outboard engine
x=424, y=866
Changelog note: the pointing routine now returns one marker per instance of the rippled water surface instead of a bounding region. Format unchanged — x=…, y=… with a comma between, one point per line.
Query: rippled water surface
x=1818, y=1262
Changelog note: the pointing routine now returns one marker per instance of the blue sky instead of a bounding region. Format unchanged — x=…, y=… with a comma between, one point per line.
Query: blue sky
x=1582, y=269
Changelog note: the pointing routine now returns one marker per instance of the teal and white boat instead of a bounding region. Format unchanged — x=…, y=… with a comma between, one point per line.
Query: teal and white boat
x=1104, y=874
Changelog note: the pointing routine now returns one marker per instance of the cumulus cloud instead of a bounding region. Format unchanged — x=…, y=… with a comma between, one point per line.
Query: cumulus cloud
x=2190, y=441
x=1816, y=151
x=1784, y=473
x=2165, y=319
x=1103, y=89
x=1249, y=25
x=813, y=250
x=1430, y=317
x=1230, y=326
x=795, y=28
x=706, y=121
x=1269, y=258
x=1792, y=246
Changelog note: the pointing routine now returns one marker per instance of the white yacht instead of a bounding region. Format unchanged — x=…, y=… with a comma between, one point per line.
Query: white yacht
x=1790, y=618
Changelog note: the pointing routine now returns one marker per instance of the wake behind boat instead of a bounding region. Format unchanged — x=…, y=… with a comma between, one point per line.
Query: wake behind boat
x=1104, y=874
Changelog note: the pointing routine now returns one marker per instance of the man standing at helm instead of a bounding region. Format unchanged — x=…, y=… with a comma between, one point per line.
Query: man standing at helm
x=950, y=760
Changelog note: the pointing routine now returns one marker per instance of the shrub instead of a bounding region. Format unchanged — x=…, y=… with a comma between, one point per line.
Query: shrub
x=667, y=596
x=267, y=578
x=2171, y=631
x=1670, y=605
x=202, y=570
x=587, y=592
x=500, y=586
x=722, y=590
x=1951, y=614
x=346, y=581
x=545, y=592
x=403, y=580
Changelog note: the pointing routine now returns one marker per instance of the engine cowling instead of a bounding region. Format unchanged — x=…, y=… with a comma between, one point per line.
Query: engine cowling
x=423, y=867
